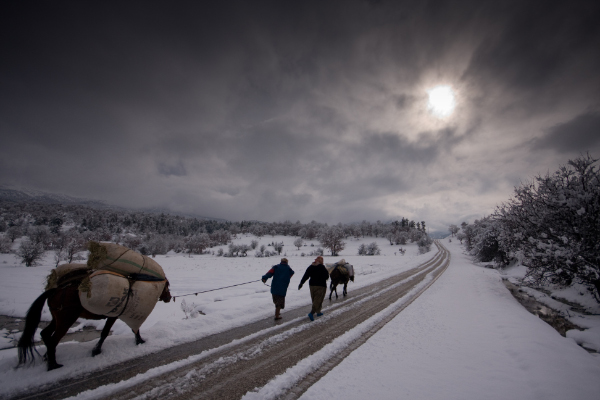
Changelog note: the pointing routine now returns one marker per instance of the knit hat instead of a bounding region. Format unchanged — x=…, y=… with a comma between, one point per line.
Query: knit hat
x=319, y=260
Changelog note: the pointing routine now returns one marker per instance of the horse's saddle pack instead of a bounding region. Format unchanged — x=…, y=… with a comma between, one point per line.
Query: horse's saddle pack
x=115, y=282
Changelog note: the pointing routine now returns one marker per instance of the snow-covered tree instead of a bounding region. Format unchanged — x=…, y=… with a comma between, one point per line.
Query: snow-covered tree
x=453, y=229
x=13, y=232
x=401, y=237
x=198, y=243
x=298, y=243
x=155, y=244
x=278, y=247
x=332, y=238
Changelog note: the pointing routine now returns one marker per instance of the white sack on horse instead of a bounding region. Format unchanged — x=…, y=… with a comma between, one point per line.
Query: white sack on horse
x=330, y=267
x=108, y=294
x=342, y=263
x=124, y=261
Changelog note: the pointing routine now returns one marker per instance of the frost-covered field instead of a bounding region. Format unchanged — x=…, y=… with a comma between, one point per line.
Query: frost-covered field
x=464, y=338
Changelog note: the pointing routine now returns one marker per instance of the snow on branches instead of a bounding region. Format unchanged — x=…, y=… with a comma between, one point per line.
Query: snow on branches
x=551, y=224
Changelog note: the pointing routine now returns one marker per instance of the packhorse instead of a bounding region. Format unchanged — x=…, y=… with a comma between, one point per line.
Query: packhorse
x=338, y=276
x=65, y=304
x=65, y=307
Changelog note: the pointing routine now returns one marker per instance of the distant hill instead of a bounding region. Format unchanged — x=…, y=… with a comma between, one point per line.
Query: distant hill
x=36, y=196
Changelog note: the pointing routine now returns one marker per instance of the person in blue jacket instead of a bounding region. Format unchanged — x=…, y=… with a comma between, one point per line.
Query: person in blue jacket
x=281, y=273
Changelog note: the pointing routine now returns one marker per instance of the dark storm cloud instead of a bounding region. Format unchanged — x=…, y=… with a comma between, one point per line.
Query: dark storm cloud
x=273, y=110
x=176, y=169
x=545, y=52
x=580, y=134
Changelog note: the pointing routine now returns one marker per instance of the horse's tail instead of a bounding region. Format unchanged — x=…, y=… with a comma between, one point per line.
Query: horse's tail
x=31, y=323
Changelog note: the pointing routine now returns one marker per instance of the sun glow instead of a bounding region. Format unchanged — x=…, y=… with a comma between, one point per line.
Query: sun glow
x=441, y=101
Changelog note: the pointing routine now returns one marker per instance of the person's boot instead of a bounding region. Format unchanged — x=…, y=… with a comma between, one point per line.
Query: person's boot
x=277, y=313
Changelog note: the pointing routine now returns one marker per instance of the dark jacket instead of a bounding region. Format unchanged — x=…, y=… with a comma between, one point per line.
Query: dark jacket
x=318, y=275
x=281, y=273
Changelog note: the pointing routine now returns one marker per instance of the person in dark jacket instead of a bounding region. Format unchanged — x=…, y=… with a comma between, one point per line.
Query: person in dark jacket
x=318, y=285
x=281, y=273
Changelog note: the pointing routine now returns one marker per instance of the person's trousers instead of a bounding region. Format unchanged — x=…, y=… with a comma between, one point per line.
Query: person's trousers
x=317, y=294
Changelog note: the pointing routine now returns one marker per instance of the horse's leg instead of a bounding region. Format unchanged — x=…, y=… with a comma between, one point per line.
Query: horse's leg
x=105, y=331
x=64, y=319
x=46, y=334
x=138, y=338
x=65, y=308
x=330, y=289
x=345, y=292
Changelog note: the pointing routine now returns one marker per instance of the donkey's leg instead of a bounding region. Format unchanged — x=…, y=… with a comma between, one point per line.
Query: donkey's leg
x=138, y=338
x=345, y=292
x=105, y=331
x=330, y=289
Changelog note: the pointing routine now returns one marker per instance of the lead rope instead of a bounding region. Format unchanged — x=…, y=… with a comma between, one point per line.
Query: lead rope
x=212, y=290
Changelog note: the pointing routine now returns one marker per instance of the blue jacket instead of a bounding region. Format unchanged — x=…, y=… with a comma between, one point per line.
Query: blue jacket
x=281, y=273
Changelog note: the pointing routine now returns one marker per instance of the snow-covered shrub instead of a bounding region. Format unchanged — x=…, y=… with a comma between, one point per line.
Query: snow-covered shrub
x=30, y=252
x=190, y=310
x=484, y=242
x=424, y=244
x=243, y=249
x=553, y=225
x=254, y=244
x=372, y=249
x=5, y=244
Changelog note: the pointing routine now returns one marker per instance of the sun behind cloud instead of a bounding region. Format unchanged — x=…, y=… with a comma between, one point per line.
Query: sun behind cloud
x=441, y=101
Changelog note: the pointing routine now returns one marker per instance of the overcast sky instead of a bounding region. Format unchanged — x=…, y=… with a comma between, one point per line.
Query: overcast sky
x=313, y=110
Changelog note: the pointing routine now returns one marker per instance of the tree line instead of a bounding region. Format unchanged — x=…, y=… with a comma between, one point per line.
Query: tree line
x=66, y=229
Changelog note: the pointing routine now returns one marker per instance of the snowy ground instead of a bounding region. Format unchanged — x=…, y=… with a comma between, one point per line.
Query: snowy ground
x=167, y=325
x=465, y=337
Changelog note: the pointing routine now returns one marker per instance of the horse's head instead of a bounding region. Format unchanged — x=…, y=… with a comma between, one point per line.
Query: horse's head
x=166, y=294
